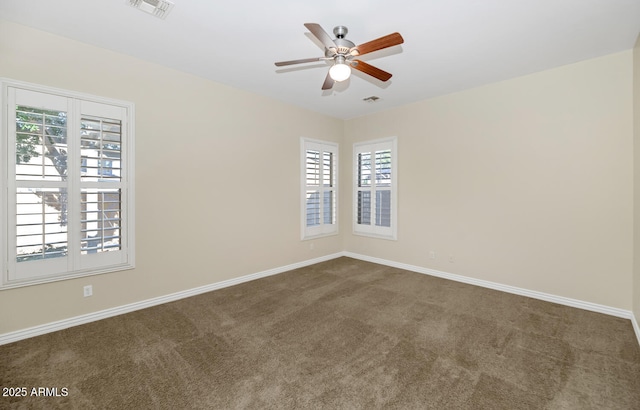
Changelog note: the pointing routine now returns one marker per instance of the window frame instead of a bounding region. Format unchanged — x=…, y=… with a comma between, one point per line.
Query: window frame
x=73, y=265
x=372, y=230
x=322, y=229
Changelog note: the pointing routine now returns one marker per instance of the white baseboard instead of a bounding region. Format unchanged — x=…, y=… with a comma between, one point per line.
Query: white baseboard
x=103, y=314
x=626, y=314
x=636, y=328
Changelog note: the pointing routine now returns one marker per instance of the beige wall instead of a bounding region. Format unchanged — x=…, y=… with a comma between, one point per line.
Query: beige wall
x=636, y=180
x=526, y=182
x=217, y=183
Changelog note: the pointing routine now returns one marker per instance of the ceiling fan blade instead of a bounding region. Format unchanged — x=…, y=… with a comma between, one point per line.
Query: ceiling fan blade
x=304, y=60
x=371, y=70
x=390, y=40
x=321, y=35
x=328, y=82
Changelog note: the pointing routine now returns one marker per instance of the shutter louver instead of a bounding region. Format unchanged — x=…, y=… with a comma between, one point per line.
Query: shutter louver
x=40, y=229
x=100, y=150
x=41, y=144
x=313, y=181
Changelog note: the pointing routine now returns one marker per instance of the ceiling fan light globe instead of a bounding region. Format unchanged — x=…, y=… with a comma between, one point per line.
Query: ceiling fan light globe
x=340, y=72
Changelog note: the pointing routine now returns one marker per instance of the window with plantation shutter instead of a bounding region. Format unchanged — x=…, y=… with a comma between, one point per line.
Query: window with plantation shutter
x=319, y=188
x=67, y=200
x=375, y=190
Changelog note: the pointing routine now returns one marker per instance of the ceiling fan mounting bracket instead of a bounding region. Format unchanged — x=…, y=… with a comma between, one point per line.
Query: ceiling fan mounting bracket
x=340, y=31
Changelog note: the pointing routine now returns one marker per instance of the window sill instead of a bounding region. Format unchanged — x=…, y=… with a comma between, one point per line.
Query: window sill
x=42, y=280
x=393, y=237
x=317, y=236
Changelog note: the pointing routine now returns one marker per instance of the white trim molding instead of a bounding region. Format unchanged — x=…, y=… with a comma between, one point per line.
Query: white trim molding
x=119, y=310
x=636, y=327
x=594, y=307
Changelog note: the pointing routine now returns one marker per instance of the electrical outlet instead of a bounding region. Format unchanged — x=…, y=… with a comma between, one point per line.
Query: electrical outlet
x=432, y=254
x=451, y=259
x=311, y=246
x=88, y=291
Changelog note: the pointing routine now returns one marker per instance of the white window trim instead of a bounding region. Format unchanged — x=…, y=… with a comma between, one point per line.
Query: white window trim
x=323, y=229
x=128, y=187
x=373, y=231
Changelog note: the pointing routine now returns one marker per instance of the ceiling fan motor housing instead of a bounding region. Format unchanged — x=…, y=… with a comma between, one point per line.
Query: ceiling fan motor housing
x=343, y=44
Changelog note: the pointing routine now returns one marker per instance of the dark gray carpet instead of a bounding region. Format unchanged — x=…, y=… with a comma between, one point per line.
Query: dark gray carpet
x=341, y=334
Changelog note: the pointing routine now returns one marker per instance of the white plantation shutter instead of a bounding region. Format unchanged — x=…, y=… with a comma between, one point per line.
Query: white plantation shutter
x=68, y=183
x=313, y=168
x=103, y=188
x=375, y=210
x=38, y=184
x=319, y=188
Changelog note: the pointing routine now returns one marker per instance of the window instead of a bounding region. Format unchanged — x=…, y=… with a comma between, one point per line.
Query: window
x=319, y=188
x=67, y=204
x=375, y=188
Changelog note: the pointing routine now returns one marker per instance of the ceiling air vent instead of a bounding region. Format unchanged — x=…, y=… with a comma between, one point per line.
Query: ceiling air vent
x=158, y=8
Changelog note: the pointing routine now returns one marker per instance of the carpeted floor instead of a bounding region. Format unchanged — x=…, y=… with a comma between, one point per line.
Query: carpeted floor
x=341, y=334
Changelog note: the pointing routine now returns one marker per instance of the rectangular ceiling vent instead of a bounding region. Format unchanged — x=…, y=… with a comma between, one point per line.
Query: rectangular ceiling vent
x=158, y=8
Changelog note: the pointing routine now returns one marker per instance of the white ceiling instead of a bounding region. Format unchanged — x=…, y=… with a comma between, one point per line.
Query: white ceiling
x=450, y=45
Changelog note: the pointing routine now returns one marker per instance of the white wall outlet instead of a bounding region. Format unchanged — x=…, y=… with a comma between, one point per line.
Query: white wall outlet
x=432, y=254
x=311, y=245
x=88, y=290
x=451, y=259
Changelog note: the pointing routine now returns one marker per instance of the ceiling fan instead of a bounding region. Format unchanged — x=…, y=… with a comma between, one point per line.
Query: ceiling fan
x=343, y=53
